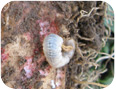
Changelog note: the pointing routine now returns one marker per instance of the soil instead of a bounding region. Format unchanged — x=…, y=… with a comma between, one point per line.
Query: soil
x=22, y=41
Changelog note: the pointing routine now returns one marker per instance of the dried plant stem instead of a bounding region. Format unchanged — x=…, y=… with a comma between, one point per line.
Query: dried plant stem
x=88, y=14
x=89, y=87
x=110, y=38
x=79, y=50
x=104, y=53
x=85, y=13
x=91, y=83
x=84, y=38
x=105, y=57
x=67, y=48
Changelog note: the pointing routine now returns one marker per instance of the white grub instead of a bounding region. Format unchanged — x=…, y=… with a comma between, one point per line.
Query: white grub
x=52, y=47
x=53, y=84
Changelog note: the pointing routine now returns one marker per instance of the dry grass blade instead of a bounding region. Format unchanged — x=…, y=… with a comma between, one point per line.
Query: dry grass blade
x=91, y=83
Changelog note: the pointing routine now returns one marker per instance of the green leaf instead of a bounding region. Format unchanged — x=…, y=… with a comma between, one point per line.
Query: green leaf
x=107, y=81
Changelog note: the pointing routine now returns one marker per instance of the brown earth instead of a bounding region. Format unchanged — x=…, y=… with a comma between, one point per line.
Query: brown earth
x=21, y=38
